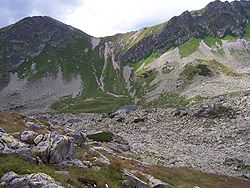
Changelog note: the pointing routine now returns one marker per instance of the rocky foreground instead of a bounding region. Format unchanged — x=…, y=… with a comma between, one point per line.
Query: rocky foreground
x=212, y=138
x=129, y=149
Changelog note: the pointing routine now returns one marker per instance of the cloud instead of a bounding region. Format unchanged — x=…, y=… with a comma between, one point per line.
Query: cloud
x=99, y=17
x=107, y=17
x=14, y=10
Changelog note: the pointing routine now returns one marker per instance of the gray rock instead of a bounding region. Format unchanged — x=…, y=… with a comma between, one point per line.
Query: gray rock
x=34, y=126
x=119, y=144
x=38, y=139
x=132, y=181
x=39, y=180
x=102, y=159
x=9, y=142
x=56, y=148
x=78, y=136
x=2, y=130
x=74, y=162
x=28, y=136
x=156, y=183
x=217, y=19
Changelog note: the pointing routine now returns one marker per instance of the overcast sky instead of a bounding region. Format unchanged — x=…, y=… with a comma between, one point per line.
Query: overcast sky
x=99, y=17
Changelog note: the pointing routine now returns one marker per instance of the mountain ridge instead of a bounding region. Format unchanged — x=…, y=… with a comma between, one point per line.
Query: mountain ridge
x=134, y=67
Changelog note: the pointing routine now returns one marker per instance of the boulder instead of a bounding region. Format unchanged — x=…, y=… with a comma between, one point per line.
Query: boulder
x=34, y=126
x=102, y=159
x=8, y=142
x=119, y=144
x=39, y=180
x=38, y=139
x=132, y=181
x=74, y=162
x=78, y=137
x=155, y=183
x=28, y=136
x=55, y=148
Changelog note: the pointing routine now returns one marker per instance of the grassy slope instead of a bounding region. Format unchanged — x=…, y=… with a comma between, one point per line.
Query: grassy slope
x=112, y=175
x=4, y=75
x=79, y=58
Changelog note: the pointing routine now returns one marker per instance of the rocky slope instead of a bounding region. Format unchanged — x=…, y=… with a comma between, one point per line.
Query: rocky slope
x=182, y=58
x=217, y=19
x=213, y=137
x=70, y=150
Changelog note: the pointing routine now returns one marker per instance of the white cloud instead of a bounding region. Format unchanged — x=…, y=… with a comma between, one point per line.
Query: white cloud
x=107, y=17
x=99, y=17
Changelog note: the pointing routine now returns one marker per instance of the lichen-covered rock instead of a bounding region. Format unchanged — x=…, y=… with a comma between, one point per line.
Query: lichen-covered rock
x=11, y=145
x=28, y=136
x=38, y=139
x=9, y=142
x=55, y=148
x=39, y=180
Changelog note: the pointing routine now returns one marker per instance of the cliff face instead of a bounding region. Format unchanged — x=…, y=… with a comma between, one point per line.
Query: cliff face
x=217, y=19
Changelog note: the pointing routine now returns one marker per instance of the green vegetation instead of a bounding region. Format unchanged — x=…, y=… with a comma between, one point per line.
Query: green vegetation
x=149, y=59
x=193, y=43
x=113, y=80
x=142, y=84
x=77, y=177
x=190, y=71
x=143, y=33
x=95, y=104
x=189, y=47
x=12, y=122
x=184, y=177
x=101, y=137
x=138, y=67
x=167, y=70
x=229, y=37
x=220, y=52
x=112, y=174
x=212, y=41
x=4, y=74
x=169, y=99
x=247, y=32
x=242, y=52
x=217, y=66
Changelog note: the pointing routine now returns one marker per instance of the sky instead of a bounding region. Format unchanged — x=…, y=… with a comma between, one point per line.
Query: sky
x=99, y=17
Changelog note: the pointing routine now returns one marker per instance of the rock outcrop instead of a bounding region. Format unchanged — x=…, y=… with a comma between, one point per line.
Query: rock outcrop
x=39, y=180
x=217, y=19
x=55, y=148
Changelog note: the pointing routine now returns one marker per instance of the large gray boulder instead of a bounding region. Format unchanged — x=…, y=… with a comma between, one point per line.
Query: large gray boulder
x=55, y=148
x=11, y=145
x=39, y=180
x=8, y=142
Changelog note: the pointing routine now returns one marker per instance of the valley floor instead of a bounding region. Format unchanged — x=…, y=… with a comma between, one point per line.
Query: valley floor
x=211, y=144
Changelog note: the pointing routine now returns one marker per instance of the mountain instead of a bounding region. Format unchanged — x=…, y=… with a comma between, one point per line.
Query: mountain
x=198, y=55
